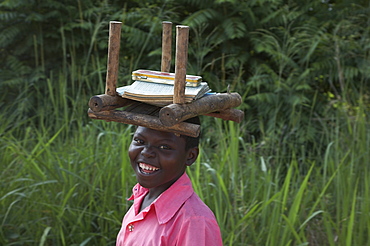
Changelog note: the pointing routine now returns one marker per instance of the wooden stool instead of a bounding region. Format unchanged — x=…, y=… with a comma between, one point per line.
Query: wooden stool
x=169, y=118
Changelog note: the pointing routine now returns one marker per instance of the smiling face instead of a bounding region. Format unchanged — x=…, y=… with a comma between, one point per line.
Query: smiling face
x=159, y=158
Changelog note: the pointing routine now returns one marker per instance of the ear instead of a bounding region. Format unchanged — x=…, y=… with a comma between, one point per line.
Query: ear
x=192, y=156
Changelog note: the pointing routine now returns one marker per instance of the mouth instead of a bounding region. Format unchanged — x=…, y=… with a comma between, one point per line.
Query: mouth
x=147, y=169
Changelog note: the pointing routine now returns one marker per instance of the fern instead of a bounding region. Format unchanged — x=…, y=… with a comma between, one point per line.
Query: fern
x=199, y=4
x=234, y=28
x=8, y=16
x=200, y=17
x=8, y=35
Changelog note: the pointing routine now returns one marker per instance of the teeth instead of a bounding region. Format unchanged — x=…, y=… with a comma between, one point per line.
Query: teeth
x=147, y=167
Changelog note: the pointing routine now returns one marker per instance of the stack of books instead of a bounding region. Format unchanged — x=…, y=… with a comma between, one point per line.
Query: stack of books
x=157, y=88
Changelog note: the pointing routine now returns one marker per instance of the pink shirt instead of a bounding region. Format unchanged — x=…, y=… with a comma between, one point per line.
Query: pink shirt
x=177, y=217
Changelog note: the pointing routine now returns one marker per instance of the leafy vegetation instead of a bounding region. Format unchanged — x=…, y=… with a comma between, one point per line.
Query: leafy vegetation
x=293, y=173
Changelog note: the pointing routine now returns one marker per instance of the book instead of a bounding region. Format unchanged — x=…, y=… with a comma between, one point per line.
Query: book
x=160, y=94
x=163, y=77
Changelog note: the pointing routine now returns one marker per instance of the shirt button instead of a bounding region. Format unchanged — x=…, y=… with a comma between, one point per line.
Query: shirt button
x=130, y=227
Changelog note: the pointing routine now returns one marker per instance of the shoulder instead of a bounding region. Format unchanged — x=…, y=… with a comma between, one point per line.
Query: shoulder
x=196, y=223
x=196, y=215
x=194, y=206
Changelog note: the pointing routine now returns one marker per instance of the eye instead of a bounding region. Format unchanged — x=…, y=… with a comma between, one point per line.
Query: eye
x=138, y=141
x=165, y=147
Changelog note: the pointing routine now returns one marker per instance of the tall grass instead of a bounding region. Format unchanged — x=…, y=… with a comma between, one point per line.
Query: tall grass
x=63, y=186
x=65, y=180
x=255, y=205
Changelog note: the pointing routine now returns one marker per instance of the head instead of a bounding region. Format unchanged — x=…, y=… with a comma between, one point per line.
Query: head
x=160, y=158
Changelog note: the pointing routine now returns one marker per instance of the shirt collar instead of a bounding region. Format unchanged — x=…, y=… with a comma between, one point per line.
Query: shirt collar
x=175, y=195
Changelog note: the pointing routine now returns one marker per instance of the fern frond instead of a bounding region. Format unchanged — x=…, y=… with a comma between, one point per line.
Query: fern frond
x=134, y=36
x=7, y=16
x=15, y=64
x=234, y=28
x=8, y=35
x=199, y=4
x=200, y=17
x=11, y=4
x=59, y=5
x=225, y=1
x=350, y=72
x=34, y=17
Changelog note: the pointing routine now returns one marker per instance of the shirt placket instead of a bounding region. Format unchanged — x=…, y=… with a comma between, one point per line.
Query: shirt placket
x=131, y=225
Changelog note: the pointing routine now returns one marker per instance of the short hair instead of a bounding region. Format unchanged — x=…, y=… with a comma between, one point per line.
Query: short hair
x=191, y=142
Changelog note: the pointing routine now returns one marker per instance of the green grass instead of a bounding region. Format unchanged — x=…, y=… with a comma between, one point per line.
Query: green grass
x=256, y=204
x=65, y=180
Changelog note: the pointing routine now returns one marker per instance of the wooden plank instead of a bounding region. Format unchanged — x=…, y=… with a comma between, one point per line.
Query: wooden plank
x=232, y=114
x=105, y=102
x=182, y=39
x=152, y=122
x=175, y=113
x=113, y=57
x=166, y=46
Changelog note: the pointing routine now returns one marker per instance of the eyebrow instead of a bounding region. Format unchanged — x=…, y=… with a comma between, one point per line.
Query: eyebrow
x=163, y=139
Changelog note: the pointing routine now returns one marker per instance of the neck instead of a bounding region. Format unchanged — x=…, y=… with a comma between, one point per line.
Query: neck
x=150, y=197
x=154, y=193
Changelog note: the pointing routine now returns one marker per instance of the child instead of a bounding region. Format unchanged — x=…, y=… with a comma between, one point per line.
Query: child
x=166, y=210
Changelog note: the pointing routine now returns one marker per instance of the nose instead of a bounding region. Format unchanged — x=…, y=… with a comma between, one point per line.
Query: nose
x=148, y=151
